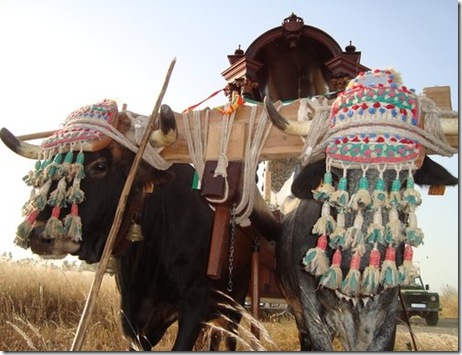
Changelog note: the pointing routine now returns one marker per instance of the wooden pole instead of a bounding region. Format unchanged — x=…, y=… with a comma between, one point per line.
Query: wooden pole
x=255, y=289
x=91, y=300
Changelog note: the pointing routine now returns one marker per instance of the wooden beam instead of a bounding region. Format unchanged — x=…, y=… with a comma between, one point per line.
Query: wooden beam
x=280, y=145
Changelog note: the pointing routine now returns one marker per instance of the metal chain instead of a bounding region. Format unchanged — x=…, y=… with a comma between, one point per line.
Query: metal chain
x=231, y=247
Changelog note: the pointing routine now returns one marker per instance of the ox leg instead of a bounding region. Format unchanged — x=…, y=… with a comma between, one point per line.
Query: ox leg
x=319, y=336
x=303, y=335
x=189, y=329
x=384, y=337
x=193, y=312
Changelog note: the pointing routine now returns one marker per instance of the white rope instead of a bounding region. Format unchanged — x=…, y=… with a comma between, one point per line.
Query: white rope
x=318, y=128
x=197, y=145
x=222, y=163
x=151, y=154
x=226, y=128
x=432, y=124
x=303, y=111
x=195, y=141
x=252, y=155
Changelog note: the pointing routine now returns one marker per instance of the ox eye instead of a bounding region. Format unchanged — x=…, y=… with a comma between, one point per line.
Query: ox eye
x=97, y=169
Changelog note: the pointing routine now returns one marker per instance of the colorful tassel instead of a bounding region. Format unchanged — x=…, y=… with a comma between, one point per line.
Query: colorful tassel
x=323, y=192
x=351, y=284
x=74, y=193
x=77, y=169
x=315, y=259
x=31, y=178
x=394, y=199
x=376, y=231
x=340, y=198
x=73, y=224
x=354, y=233
x=362, y=198
x=371, y=275
x=379, y=196
x=55, y=169
x=407, y=271
x=325, y=225
x=337, y=238
x=412, y=233
x=24, y=229
x=43, y=177
x=333, y=277
x=41, y=198
x=54, y=227
x=411, y=197
x=393, y=229
x=58, y=196
x=67, y=165
x=389, y=273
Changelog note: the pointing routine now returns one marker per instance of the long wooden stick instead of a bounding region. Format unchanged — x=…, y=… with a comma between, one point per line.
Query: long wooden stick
x=91, y=300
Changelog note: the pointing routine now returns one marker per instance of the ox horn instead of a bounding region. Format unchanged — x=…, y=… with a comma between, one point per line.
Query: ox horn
x=293, y=128
x=167, y=132
x=18, y=146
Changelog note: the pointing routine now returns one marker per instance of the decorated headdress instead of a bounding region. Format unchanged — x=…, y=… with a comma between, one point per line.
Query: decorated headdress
x=376, y=123
x=88, y=129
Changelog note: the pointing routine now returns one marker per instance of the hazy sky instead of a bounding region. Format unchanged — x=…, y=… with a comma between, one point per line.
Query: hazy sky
x=58, y=55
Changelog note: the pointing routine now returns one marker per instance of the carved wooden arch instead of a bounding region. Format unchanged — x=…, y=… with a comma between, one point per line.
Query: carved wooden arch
x=307, y=31
x=257, y=71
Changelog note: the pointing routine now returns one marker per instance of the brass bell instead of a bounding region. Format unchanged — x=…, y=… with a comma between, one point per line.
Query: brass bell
x=111, y=267
x=134, y=233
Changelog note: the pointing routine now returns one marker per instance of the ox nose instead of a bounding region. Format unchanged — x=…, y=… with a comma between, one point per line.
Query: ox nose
x=40, y=243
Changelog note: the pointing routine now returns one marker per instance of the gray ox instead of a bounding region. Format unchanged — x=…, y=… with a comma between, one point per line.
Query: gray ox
x=361, y=321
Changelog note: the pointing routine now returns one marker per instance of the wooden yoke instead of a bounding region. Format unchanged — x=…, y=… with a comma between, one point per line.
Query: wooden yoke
x=223, y=190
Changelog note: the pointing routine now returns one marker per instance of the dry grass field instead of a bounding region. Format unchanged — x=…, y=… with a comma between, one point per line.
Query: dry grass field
x=40, y=309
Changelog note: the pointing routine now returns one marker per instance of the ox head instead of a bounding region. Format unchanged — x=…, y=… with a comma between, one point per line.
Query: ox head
x=79, y=176
x=362, y=157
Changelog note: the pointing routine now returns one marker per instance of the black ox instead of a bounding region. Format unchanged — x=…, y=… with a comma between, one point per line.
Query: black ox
x=162, y=279
x=362, y=323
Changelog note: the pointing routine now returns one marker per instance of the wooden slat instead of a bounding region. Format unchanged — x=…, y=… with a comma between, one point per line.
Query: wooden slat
x=441, y=95
x=236, y=144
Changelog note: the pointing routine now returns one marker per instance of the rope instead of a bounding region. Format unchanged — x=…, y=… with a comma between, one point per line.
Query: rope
x=318, y=128
x=197, y=145
x=252, y=155
x=432, y=124
x=151, y=155
x=222, y=163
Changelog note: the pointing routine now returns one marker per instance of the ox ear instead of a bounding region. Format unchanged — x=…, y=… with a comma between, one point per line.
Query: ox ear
x=432, y=173
x=308, y=179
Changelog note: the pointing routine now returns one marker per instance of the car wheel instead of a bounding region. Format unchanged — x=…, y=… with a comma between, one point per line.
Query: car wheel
x=432, y=319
